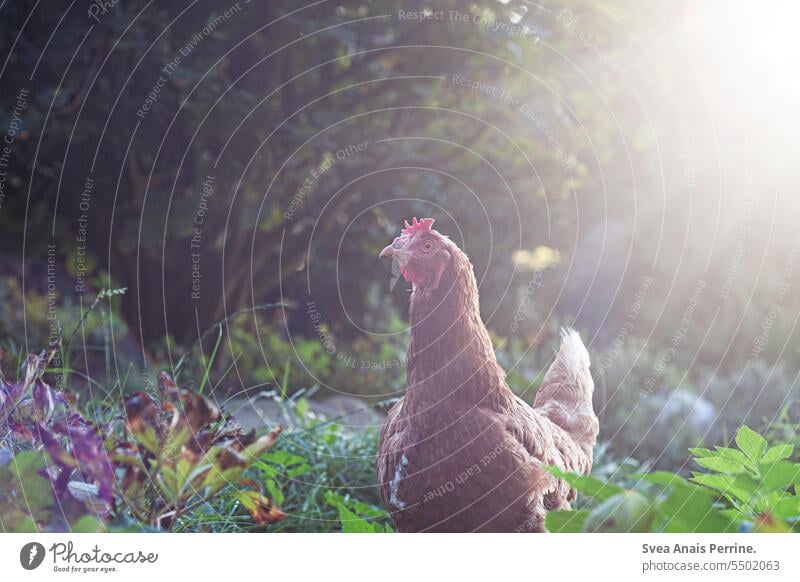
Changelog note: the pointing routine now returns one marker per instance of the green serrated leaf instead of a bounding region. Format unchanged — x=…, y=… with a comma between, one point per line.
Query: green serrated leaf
x=752, y=444
x=351, y=523
x=587, y=485
x=737, y=456
x=779, y=475
x=778, y=453
x=741, y=487
x=721, y=465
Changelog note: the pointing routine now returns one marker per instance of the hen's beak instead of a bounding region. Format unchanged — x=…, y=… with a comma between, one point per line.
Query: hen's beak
x=387, y=252
x=402, y=256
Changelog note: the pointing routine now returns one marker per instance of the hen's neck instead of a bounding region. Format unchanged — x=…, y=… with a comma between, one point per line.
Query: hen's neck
x=451, y=361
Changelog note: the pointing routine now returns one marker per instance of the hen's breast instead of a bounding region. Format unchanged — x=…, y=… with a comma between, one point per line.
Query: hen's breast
x=464, y=473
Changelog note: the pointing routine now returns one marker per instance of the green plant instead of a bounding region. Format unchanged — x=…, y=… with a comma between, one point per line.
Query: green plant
x=322, y=476
x=183, y=454
x=170, y=456
x=752, y=487
x=351, y=512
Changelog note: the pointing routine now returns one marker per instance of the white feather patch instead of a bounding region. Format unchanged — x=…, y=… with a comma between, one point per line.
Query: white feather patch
x=399, y=473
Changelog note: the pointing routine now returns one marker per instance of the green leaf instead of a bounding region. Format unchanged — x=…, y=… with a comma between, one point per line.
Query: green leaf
x=587, y=485
x=358, y=507
x=274, y=491
x=28, y=462
x=297, y=471
x=787, y=508
x=752, y=444
x=778, y=453
x=176, y=438
x=691, y=509
x=148, y=438
x=721, y=465
x=217, y=478
x=351, y=523
x=565, y=521
x=167, y=480
x=736, y=456
x=283, y=458
x=767, y=501
x=779, y=475
x=267, y=471
x=36, y=493
x=33, y=491
x=740, y=487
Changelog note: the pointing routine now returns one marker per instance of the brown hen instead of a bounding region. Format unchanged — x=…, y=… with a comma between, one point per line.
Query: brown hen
x=461, y=452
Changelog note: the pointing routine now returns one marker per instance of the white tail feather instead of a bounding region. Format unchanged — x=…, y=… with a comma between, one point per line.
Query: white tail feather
x=569, y=376
x=573, y=354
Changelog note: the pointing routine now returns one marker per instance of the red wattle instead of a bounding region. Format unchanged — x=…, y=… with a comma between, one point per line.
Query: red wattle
x=412, y=275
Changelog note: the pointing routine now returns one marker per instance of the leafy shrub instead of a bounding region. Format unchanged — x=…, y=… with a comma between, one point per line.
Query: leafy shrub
x=170, y=456
x=322, y=476
x=752, y=487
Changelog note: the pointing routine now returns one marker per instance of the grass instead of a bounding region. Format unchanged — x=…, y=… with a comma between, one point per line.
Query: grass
x=320, y=474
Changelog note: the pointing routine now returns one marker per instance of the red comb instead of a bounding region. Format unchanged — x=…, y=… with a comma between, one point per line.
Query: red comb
x=417, y=225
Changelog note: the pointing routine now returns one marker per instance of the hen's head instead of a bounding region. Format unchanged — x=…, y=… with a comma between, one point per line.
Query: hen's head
x=422, y=254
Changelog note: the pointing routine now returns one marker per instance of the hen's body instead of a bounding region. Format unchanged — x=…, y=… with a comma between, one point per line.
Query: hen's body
x=461, y=452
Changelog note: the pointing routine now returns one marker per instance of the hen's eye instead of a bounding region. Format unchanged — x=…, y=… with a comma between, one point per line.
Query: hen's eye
x=427, y=246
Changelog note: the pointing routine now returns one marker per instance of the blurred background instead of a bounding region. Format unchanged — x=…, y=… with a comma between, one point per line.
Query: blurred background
x=204, y=187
